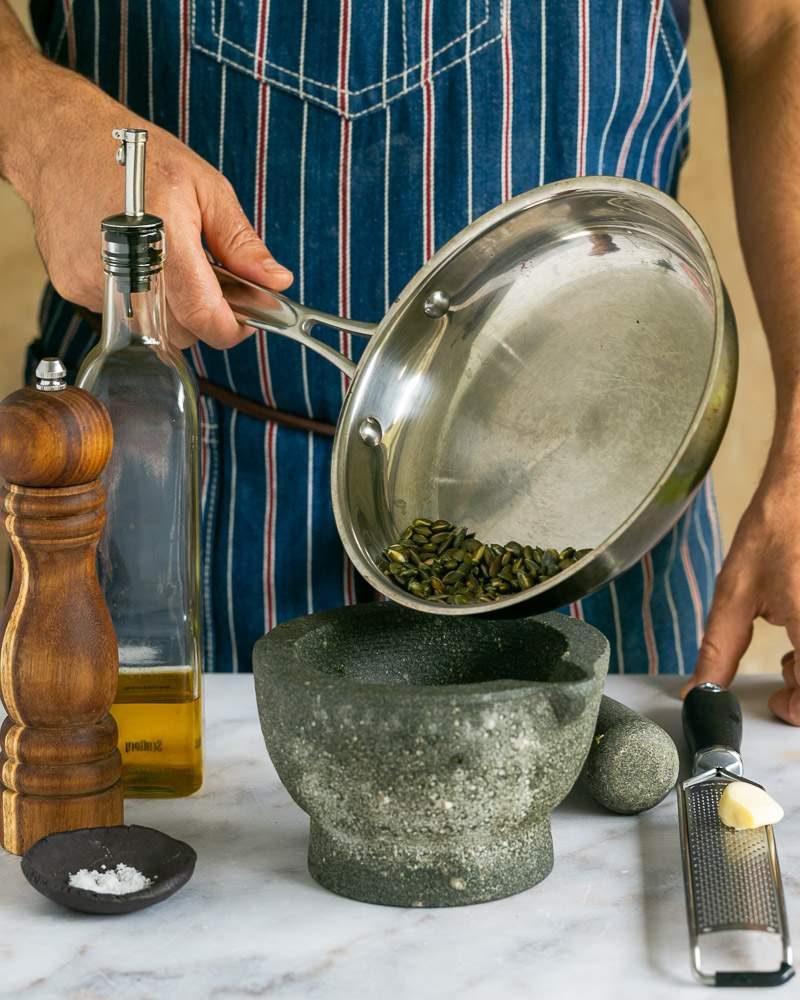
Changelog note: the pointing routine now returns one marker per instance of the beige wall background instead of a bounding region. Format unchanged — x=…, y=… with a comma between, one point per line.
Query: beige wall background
x=706, y=192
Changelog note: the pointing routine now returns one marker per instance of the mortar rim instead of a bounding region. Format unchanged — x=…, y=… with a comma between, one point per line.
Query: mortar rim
x=283, y=663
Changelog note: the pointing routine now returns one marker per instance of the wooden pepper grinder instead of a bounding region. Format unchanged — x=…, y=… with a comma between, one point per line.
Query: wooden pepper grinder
x=58, y=660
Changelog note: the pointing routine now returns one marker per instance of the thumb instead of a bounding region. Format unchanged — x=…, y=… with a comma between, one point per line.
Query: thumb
x=728, y=633
x=235, y=244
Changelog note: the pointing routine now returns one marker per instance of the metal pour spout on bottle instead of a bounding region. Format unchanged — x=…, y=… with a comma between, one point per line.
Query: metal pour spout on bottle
x=148, y=559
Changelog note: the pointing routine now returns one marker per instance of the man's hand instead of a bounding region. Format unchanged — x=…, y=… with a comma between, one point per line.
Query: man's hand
x=760, y=577
x=57, y=150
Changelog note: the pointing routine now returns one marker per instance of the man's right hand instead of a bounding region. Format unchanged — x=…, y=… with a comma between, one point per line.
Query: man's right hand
x=56, y=149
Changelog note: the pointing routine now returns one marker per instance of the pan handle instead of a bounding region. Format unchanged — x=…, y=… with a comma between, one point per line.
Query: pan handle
x=264, y=309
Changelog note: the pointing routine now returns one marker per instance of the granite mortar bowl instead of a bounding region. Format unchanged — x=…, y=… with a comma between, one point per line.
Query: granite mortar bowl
x=428, y=752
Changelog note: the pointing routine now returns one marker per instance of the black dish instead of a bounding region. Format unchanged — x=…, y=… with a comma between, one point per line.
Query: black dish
x=49, y=863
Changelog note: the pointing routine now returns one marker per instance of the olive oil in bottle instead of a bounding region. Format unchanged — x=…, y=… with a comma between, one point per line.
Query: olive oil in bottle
x=159, y=716
x=148, y=558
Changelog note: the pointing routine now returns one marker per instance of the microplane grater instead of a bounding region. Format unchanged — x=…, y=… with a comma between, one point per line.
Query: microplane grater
x=732, y=877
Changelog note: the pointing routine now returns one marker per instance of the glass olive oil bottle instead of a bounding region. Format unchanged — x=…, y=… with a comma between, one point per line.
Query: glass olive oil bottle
x=148, y=558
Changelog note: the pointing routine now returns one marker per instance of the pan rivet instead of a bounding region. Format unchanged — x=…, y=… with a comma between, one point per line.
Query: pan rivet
x=370, y=431
x=437, y=304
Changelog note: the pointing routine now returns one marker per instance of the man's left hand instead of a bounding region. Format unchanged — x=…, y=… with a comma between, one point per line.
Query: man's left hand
x=760, y=578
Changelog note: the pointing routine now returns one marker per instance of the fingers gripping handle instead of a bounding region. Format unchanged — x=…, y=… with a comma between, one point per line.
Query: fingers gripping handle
x=712, y=725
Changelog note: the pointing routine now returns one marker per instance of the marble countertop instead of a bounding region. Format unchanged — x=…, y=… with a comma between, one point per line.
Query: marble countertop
x=609, y=921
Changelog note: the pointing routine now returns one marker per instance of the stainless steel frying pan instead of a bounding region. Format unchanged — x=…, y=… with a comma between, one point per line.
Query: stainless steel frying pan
x=561, y=373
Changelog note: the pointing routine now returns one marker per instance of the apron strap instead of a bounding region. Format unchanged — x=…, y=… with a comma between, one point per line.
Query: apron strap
x=261, y=412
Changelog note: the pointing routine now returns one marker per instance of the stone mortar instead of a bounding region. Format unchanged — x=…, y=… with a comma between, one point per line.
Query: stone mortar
x=429, y=752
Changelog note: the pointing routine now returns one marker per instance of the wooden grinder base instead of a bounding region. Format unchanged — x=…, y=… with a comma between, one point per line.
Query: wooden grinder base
x=59, y=764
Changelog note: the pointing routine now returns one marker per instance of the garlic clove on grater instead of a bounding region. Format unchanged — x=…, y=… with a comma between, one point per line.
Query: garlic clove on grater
x=745, y=807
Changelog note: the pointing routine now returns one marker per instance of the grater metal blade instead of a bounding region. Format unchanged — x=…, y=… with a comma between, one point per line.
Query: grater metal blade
x=732, y=877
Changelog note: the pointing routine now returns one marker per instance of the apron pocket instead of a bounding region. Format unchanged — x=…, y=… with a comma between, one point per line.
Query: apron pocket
x=351, y=57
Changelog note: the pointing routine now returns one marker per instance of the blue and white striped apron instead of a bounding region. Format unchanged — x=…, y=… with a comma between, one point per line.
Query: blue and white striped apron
x=360, y=135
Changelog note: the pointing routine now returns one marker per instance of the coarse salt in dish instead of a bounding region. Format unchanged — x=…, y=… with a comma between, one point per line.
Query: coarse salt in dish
x=118, y=881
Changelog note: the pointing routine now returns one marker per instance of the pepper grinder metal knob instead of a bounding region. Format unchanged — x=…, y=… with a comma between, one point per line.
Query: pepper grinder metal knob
x=51, y=375
x=60, y=767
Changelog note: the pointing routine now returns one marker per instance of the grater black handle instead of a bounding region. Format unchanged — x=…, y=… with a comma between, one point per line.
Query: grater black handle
x=776, y=978
x=712, y=717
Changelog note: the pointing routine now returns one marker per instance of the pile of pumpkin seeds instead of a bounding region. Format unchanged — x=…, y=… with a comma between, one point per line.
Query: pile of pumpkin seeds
x=438, y=561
